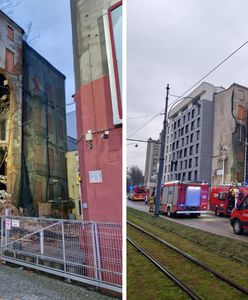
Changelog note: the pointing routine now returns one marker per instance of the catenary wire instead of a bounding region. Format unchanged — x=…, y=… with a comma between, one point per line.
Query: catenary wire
x=190, y=88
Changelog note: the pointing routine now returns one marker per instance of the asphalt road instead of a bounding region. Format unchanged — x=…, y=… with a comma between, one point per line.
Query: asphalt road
x=207, y=222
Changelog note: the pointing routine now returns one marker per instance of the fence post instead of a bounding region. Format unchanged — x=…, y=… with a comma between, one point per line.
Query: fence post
x=42, y=242
x=63, y=243
x=98, y=259
x=94, y=251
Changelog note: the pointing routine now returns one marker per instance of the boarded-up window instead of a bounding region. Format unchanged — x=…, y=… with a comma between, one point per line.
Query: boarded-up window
x=10, y=33
x=49, y=92
x=61, y=129
x=37, y=119
x=50, y=125
x=63, y=192
x=241, y=112
x=51, y=191
x=51, y=158
x=38, y=156
x=38, y=191
x=9, y=61
x=62, y=162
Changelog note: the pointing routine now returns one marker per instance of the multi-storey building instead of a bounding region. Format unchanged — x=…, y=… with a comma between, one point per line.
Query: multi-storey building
x=97, y=38
x=229, y=163
x=152, y=160
x=189, y=140
x=32, y=123
x=44, y=176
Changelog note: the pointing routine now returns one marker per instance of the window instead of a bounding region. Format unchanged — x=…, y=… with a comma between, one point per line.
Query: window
x=178, y=123
x=185, y=152
x=188, y=116
x=189, y=175
x=193, y=114
x=196, y=161
x=187, y=129
x=3, y=130
x=187, y=140
x=182, y=131
x=180, y=153
x=177, y=144
x=197, y=135
x=190, y=163
x=192, y=125
x=198, y=122
x=241, y=112
x=191, y=138
x=196, y=148
x=175, y=125
x=191, y=150
x=184, y=118
x=183, y=176
x=181, y=165
x=244, y=204
x=185, y=164
x=222, y=196
x=9, y=64
x=179, y=176
x=113, y=29
x=175, y=135
x=10, y=33
x=196, y=175
x=182, y=142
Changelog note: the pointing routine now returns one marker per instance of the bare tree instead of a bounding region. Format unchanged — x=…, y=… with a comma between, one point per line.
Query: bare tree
x=8, y=5
x=135, y=176
x=28, y=36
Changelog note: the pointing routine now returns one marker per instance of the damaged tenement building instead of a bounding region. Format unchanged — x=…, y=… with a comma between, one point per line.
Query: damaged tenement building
x=32, y=124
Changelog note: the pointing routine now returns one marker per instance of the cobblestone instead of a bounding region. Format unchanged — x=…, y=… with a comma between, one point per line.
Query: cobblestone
x=20, y=284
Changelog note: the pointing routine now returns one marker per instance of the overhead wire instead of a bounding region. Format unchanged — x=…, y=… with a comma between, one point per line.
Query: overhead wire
x=190, y=88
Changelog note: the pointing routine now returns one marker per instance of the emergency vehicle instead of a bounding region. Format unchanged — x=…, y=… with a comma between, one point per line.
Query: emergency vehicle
x=224, y=198
x=184, y=198
x=139, y=193
x=239, y=216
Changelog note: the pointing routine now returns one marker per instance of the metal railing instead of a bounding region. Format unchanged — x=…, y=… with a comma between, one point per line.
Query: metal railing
x=87, y=252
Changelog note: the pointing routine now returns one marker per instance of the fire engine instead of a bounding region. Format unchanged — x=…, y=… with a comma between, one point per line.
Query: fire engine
x=184, y=198
x=239, y=216
x=139, y=193
x=224, y=198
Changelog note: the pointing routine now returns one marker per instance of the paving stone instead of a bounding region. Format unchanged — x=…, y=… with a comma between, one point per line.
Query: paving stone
x=20, y=284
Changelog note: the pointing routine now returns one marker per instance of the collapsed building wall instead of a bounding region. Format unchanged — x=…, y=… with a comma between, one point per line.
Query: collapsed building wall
x=10, y=107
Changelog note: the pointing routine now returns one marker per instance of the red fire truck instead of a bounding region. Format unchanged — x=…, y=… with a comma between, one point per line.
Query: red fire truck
x=239, y=216
x=139, y=193
x=223, y=198
x=184, y=198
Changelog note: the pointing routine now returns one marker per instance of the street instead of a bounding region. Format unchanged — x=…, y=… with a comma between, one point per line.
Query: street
x=207, y=222
x=19, y=284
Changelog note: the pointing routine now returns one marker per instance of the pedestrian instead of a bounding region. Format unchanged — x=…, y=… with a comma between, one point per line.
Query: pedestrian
x=151, y=201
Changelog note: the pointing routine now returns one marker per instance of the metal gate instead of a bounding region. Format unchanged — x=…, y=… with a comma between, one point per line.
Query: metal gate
x=87, y=252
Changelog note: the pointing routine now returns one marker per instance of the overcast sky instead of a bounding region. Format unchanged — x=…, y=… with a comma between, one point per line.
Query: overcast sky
x=178, y=42
x=51, y=21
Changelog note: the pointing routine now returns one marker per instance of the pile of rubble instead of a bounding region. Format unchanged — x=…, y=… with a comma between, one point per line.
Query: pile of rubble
x=6, y=203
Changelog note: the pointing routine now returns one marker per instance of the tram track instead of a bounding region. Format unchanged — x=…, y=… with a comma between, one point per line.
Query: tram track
x=217, y=274
x=165, y=270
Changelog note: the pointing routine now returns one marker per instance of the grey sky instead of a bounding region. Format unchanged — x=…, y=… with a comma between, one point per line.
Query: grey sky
x=178, y=42
x=52, y=21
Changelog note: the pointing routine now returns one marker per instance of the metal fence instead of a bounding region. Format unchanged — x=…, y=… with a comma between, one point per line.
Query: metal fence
x=87, y=252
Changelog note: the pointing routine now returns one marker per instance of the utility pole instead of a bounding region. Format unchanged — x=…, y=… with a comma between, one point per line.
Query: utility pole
x=161, y=159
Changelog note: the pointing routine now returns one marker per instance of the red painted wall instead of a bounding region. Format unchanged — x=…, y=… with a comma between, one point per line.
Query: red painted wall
x=94, y=112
